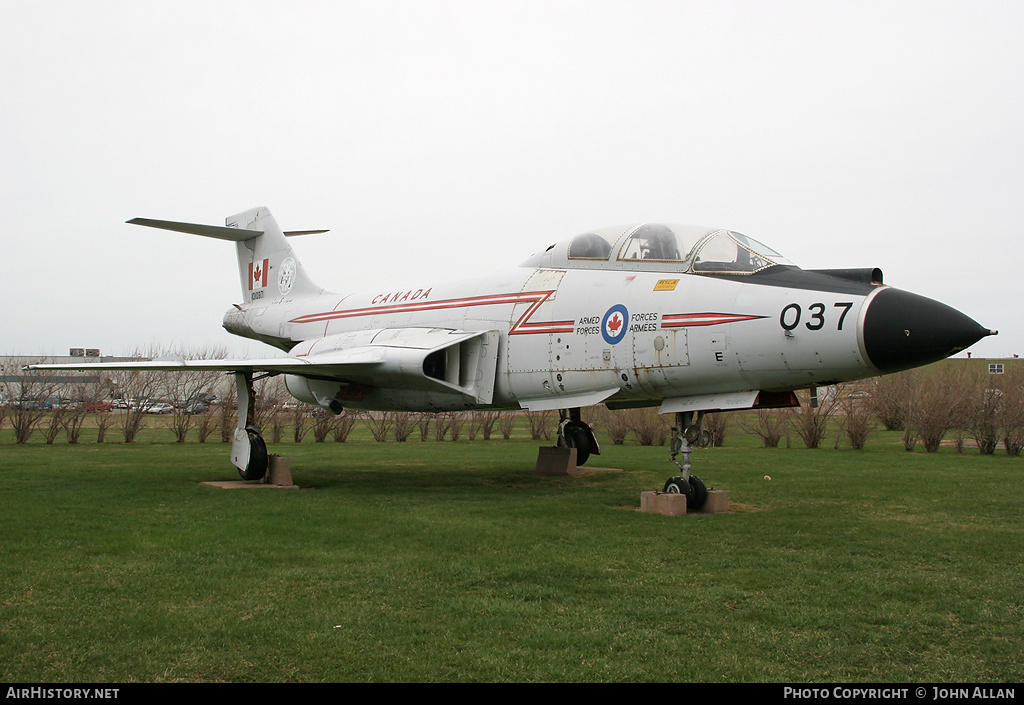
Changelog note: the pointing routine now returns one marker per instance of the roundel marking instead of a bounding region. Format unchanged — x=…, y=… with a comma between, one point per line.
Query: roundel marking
x=613, y=325
x=287, y=276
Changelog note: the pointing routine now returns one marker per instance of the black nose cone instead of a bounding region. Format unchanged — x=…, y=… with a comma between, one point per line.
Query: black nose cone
x=904, y=330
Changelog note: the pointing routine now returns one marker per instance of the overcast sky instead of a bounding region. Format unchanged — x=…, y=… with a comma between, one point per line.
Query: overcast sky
x=464, y=136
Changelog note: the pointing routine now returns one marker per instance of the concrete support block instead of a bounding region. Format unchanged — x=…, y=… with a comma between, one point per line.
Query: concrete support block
x=280, y=471
x=717, y=503
x=674, y=505
x=556, y=461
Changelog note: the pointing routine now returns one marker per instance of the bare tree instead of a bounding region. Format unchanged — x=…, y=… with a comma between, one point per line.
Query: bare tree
x=104, y=419
x=323, y=423
x=716, y=424
x=456, y=420
x=380, y=425
x=811, y=421
x=89, y=397
x=932, y=408
x=614, y=423
x=540, y=424
x=54, y=423
x=507, y=424
x=227, y=413
x=346, y=421
x=488, y=419
x=423, y=424
x=890, y=398
x=981, y=409
x=206, y=424
x=442, y=423
x=299, y=416
x=28, y=395
x=405, y=424
x=856, y=420
x=184, y=388
x=646, y=425
x=137, y=388
x=770, y=425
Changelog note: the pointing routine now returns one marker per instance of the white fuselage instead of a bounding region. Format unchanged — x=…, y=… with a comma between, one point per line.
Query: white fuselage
x=569, y=336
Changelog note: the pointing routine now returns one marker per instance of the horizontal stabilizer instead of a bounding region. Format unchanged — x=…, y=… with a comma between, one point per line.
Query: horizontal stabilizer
x=459, y=363
x=217, y=231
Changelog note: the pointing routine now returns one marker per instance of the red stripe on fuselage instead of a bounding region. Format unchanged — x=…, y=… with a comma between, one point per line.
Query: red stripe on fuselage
x=520, y=327
x=684, y=320
x=523, y=326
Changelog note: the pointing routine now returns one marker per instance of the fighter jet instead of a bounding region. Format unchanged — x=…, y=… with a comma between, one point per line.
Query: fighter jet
x=689, y=319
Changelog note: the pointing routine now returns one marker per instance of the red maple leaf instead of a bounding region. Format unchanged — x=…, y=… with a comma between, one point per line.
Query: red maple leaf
x=615, y=323
x=256, y=276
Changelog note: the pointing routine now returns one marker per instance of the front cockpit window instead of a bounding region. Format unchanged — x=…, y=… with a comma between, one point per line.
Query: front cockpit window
x=732, y=253
x=589, y=246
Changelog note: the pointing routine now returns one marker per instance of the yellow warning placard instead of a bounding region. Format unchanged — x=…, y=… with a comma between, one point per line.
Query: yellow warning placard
x=666, y=285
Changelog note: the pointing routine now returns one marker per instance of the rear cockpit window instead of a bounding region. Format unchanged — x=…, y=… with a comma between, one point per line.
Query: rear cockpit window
x=589, y=246
x=653, y=242
x=732, y=253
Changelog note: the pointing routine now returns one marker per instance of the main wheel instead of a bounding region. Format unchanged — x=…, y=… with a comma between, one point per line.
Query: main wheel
x=256, y=468
x=576, y=436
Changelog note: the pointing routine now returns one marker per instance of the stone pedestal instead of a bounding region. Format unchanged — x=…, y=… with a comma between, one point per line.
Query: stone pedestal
x=280, y=471
x=562, y=461
x=674, y=505
x=556, y=461
x=717, y=503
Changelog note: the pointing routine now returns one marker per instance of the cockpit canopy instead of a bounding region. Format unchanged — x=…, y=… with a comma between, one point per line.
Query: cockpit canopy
x=677, y=248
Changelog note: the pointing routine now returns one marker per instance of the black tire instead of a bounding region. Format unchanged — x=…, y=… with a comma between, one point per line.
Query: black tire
x=256, y=468
x=695, y=491
x=698, y=494
x=677, y=485
x=576, y=436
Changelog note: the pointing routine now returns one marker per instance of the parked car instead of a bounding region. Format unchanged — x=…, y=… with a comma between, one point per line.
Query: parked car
x=158, y=408
x=197, y=407
x=97, y=406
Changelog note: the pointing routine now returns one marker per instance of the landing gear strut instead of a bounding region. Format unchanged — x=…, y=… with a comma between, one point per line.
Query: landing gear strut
x=574, y=433
x=248, y=451
x=686, y=432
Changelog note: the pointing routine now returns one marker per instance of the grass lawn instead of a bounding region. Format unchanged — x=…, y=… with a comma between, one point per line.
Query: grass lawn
x=451, y=562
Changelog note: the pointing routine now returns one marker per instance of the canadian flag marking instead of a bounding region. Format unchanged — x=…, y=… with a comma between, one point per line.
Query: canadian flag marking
x=258, y=274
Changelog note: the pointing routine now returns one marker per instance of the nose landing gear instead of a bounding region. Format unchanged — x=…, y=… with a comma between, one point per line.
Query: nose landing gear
x=687, y=432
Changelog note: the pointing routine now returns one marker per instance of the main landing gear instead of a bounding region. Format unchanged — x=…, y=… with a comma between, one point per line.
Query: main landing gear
x=686, y=433
x=573, y=432
x=248, y=451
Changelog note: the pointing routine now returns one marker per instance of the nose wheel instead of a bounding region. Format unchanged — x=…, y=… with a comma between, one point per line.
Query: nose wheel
x=694, y=489
x=686, y=432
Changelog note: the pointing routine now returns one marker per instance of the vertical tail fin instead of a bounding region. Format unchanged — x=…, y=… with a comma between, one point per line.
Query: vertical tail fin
x=267, y=266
